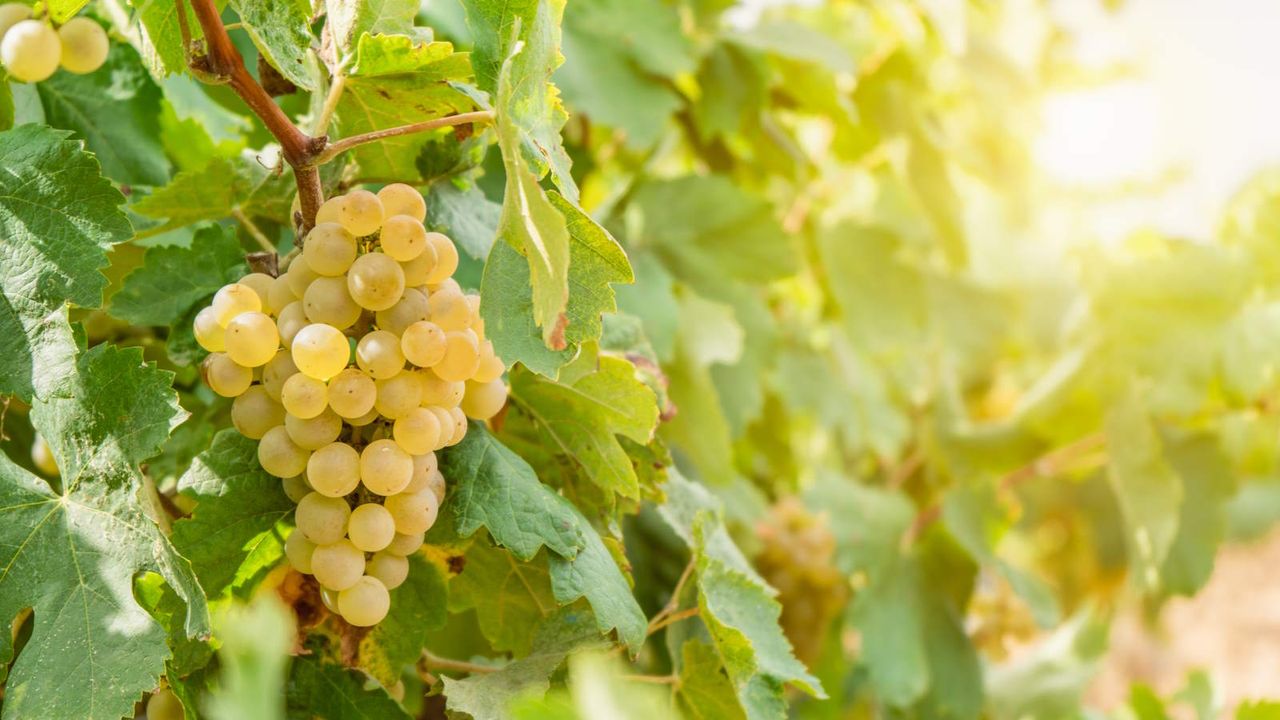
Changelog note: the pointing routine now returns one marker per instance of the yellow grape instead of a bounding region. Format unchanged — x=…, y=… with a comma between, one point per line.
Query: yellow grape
x=361, y=213
x=322, y=519
x=251, y=339
x=424, y=344
x=417, y=270
x=375, y=281
x=449, y=309
x=491, y=366
x=365, y=603
x=398, y=395
x=461, y=356
x=313, y=433
x=292, y=319
x=473, y=303
x=13, y=13
x=225, y=377
x=329, y=249
x=446, y=258
x=304, y=396
x=209, y=333
x=405, y=544
x=446, y=424
x=261, y=284
x=279, y=455
x=233, y=299
x=423, y=465
x=364, y=419
x=483, y=400
x=384, y=467
x=413, y=512
x=296, y=488
x=338, y=565
x=418, y=432
x=459, y=426
x=276, y=372
x=379, y=354
x=30, y=51
x=440, y=392
x=254, y=413
x=300, y=275
x=331, y=210
x=279, y=295
x=390, y=569
x=330, y=599
x=334, y=470
x=84, y=45
x=370, y=527
x=403, y=238
x=409, y=309
x=328, y=301
x=351, y=393
x=299, y=549
x=320, y=351
x=402, y=199
x=436, y=483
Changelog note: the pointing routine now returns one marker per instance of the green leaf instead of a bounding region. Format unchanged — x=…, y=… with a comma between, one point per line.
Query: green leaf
x=705, y=692
x=349, y=21
x=593, y=574
x=62, y=10
x=71, y=556
x=510, y=596
x=468, y=217
x=116, y=110
x=167, y=607
x=417, y=609
x=281, y=30
x=161, y=45
x=1208, y=483
x=256, y=641
x=699, y=431
x=58, y=218
x=1147, y=489
x=173, y=280
x=213, y=191
x=583, y=417
x=318, y=689
x=237, y=528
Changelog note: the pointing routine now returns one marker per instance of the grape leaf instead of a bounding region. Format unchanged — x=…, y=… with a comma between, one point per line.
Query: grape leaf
x=318, y=689
x=349, y=21
x=417, y=609
x=173, y=280
x=700, y=428
x=509, y=596
x=705, y=692
x=161, y=41
x=62, y=10
x=236, y=530
x=1208, y=484
x=213, y=191
x=468, y=217
x=115, y=110
x=58, y=217
x=71, y=555
x=255, y=644
x=281, y=30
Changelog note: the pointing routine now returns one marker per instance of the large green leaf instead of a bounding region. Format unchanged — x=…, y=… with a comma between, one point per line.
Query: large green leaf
x=509, y=595
x=58, y=218
x=333, y=692
x=71, y=555
x=173, y=280
x=281, y=29
x=349, y=20
x=213, y=191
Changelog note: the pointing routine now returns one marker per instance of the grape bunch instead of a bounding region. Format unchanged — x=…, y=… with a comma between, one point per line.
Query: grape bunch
x=32, y=50
x=351, y=369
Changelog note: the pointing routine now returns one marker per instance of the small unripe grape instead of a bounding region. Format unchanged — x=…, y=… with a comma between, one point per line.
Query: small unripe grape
x=403, y=238
x=296, y=488
x=84, y=45
x=313, y=433
x=410, y=308
x=446, y=258
x=233, y=300
x=375, y=281
x=352, y=393
x=365, y=603
x=327, y=301
x=320, y=351
x=440, y=392
x=491, y=366
x=260, y=283
x=300, y=275
x=299, y=549
x=330, y=599
x=413, y=512
x=251, y=339
x=304, y=396
x=424, y=344
x=417, y=270
x=164, y=705
x=418, y=432
x=370, y=527
x=322, y=519
x=334, y=470
x=405, y=544
x=329, y=249
x=30, y=51
x=276, y=372
x=361, y=213
x=459, y=426
x=402, y=199
x=446, y=425
x=209, y=333
x=291, y=319
x=379, y=354
x=338, y=565
x=331, y=210
x=13, y=13
x=279, y=455
x=390, y=569
x=385, y=468
x=254, y=413
x=279, y=295
x=484, y=400
x=225, y=377
x=364, y=419
x=423, y=466
x=449, y=309
x=41, y=453
x=461, y=356
x=398, y=395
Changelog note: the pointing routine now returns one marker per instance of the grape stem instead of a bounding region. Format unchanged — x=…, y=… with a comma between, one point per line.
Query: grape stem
x=254, y=231
x=334, y=149
x=435, y=662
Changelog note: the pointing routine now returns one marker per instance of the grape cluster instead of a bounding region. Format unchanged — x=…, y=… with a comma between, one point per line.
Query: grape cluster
x=32, y=50
x=355, y=441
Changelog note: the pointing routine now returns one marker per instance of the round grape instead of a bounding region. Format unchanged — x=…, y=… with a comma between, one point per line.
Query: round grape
x=352, y=393
x=254, y=413
x=84, y=45
x=209, y=333
x=234, y=299
x=225, y=377
x=279, y=455
x=279, y=295
x=370, y=527
x=390, y=569
x=261, y=284
x=403, y=238
x=417, y=270
x=338, y=565
x=410, y=308
x=440, y=392
x=320, y=351
x=461, y=356
x=328, y=301
x=491, y=367
x=313, y=433
x=397, y=395
x=331, y=210
x=276, y=372
x=291, y=319
x=483, y=400
x=296, y=488
x=413, y=512
x=365, y=603
x=322, y=519
x=375, y=281
x=299, y=549
x=446, y=425
x=405, y=544
x=300, y=275
x=402, y=199
x=424, y=344
x=329, y=249
x=13, y=13
x=449, y=309
x=364, y=419
x=30, y=51
x=418, y=432
x=423, y=466
x=379, y=354
x=334, y=470
x=361, y=213
x=459, y=429
x=446, y=258
x=251, y=339
x=385, y=468
x=304, y=396
x=330, y=599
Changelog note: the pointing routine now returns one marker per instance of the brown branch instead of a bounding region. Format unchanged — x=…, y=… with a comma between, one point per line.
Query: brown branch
x=336, y=148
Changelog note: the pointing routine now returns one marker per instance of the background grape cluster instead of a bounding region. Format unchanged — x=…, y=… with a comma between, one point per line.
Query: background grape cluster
x=351, y=369
x=31, y=49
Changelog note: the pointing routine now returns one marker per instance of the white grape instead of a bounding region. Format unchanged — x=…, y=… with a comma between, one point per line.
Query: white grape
x=300, y=275
x=402, y=199
x=84, y=45
x=491, y=366
x=365, y=603
x=296, y=488
x=251, y=339
x=334, y=470
x=405, y=544
x=30, y=51
x=449, y=309
x=413, y=512
x=352, y=393
x=410, y=308
x=403, y=238
x=13, y=13
x=370, y=527
x=461, y=356
x=329, y=249
x=330, y=599
x=398, y=395
x=328, y=301
x=298, y=549
x=446, y=425
x=436, y=483
x=209, y=333
x=313, y=433
x=390, y=569
x=225, y=377
x=385, y=468
x=304, y=396
x=233, y=299
x=364, y=419
x=337, y=565
x=254, y=412
x=360, y=213
x=261, y=284
x=483, y=400
x=320, y=351
x=375, y=281
x=279, y=455
x=424, y=344
x=446, y=258
x=279, y=295
x=440, y=392
x=421, y=267
x=276, y=372
x=331, y=210
x=418, y=432
x=291, y=320
x=378, y=353
x=459, y=429
x=322, y=519
x=423, y=466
